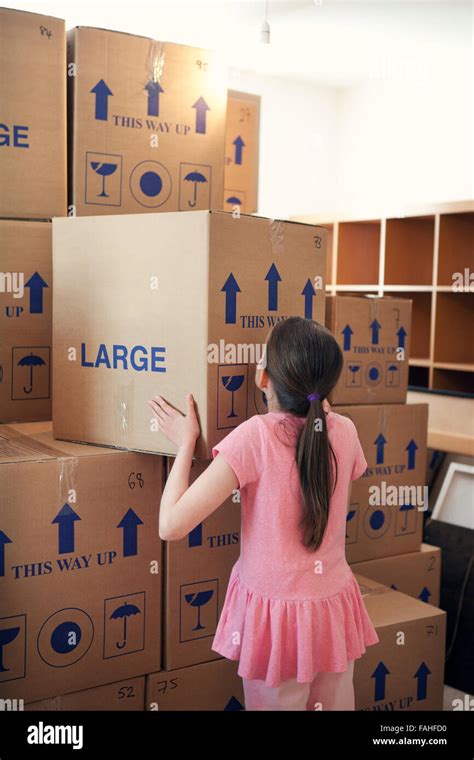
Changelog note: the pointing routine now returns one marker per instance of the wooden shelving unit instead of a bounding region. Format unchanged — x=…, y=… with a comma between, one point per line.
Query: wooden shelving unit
x=414, y=253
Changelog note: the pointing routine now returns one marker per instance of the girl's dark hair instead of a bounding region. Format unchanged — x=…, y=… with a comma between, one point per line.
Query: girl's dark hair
x=303, y=357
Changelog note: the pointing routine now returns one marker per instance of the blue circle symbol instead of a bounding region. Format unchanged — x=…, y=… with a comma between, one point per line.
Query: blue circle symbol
x=151, y=184
x=374, y=373
x=377, y=519
x=61, y=640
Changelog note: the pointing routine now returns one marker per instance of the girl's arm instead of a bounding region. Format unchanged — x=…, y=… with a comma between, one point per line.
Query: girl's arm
x=183, y=506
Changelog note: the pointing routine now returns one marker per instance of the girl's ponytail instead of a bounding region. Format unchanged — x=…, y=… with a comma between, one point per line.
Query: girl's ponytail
x=315, y=457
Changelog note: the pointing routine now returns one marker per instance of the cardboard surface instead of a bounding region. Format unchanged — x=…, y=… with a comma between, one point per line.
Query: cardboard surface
x=371, y=331
x=147, y=124
x=417, y=574
x=33, y=123
x=191, y=315
x=242, y=152
x=197, y=571
x=120, y=696
x=25, y=320
x=405, y=670
x=79, y=536
x=393, y=438
x=209, y=686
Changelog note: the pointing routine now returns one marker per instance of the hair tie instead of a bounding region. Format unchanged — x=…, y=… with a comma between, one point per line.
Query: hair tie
x=314, y=397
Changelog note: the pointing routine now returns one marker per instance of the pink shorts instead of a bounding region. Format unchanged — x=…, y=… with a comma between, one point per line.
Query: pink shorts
x=327, y=691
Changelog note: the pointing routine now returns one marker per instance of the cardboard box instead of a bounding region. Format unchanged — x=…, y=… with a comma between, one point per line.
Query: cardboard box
x=33, y=122
x=80, y=572
x=417, y=574
x=121, y=696
x=405, y=670
x=242, y=152
x=393, y=438
x=374, y=335
x=209, y=686
x=25, y=320
x=197, y=571
x=147, y=124
x=191, y=315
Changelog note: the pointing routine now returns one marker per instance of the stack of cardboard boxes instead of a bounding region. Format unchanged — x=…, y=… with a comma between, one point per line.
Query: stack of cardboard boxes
x=97, y=612
x=385, y=513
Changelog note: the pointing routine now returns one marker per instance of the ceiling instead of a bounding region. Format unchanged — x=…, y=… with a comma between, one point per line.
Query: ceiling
x=331, y=43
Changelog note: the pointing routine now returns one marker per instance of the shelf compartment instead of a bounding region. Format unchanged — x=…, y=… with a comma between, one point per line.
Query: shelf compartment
x=453, y=380
x=456, y=246
x=420, y=324
x=454, y=342
x=409, y=245
x=358, y=253
x=418, y=377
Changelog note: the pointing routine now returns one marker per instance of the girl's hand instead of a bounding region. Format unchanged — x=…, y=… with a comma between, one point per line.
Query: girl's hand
x=180, y=429
x=326, y=406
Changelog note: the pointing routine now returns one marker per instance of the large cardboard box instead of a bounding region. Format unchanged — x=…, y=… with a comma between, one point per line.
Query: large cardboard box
x=171, y=304
x=209, y=686
x=80, y=574
x=374, y=335
x=196, y=574
x=385, y=512
x=242, y=152
x=128, y=695
x=417, y=574
x=405, y=670
x=33, y=121
x=25, y=320
x=147, y=124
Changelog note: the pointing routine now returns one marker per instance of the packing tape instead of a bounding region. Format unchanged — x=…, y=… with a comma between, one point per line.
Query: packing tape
x=124, y=414
x=67, y=479
x=14, y=444
x=155, y=61
x=276, y=231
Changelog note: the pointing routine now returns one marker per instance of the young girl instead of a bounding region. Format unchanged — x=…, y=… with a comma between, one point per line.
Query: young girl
x=293, y=613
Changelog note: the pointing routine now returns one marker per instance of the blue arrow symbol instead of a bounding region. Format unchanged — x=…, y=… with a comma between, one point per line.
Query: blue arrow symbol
x=347, y=332
x=101, y=92
x=309, y=293
x=153, y=89
x=195, y=536
x=422, y=675
x=233, y=704
x=402, y=333
x=230, y=288
x=130, y=522
x=201, y=107
x=375, y=331
x=273, y=277
x=3, y=540
x=36, y=285
x=379, y=674
x=380, y=442
x=411, y=448
x=239, y=144
x=424, y=594
x=65, y=519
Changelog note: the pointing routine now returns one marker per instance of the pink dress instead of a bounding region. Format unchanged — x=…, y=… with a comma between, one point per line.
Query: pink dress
x=290, y=612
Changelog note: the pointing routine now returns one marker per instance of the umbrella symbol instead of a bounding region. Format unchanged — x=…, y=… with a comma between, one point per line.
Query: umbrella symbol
x=392, y=369
x=198, y=600
x=194, y=177
x=103, y=170
x=124, y=611
x=30, y=361
x=353, y=368
x=405, y=508
x=234, y=200
x=6, y=637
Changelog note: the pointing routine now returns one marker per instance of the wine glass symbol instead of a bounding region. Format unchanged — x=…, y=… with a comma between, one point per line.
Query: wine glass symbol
x=199, y=600
x=354, y=368
x=6, y=636
x=350, y=515
x=232, y=383
x=103, y=170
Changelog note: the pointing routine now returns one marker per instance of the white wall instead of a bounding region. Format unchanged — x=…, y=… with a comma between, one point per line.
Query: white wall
x=298, y=143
